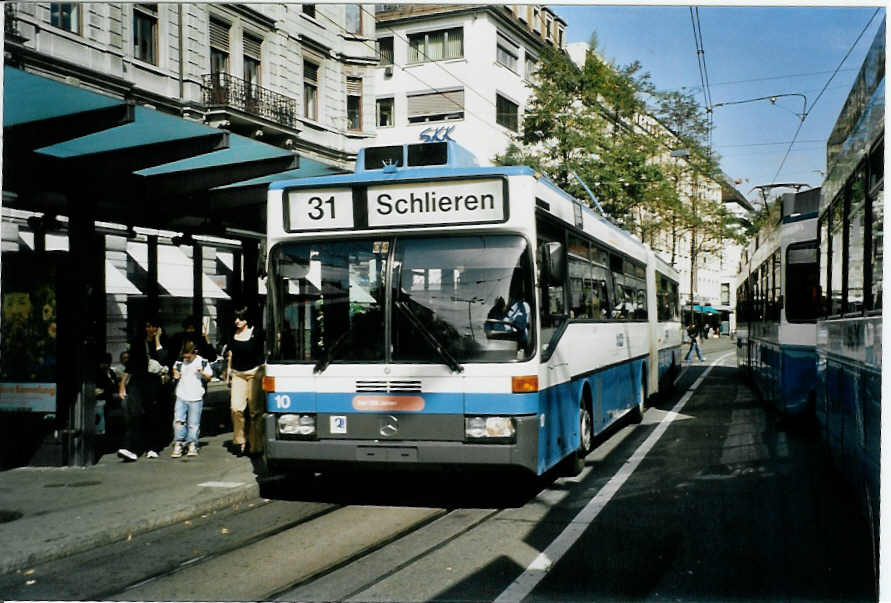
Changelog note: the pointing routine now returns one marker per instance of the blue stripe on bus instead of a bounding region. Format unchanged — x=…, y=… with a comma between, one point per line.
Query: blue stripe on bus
x=434, y=403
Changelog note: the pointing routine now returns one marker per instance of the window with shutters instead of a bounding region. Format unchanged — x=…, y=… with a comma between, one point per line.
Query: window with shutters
x=436, y=106
x=310, y=90
x=252, y=59
x=385, y=50
x=219, y=46
x=354, y=103
x=145, y=33
x=507, y=53
x=437, y=45
x=506, y=113
x=385, y=113
x=65, y=15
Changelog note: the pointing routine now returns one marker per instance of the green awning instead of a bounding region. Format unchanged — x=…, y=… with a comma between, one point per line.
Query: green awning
x=137, y=165
x=705, y=310
x=149, y=127
x=46, y=98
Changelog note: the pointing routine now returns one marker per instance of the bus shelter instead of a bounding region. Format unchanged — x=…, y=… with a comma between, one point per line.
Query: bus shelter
x=74, y=158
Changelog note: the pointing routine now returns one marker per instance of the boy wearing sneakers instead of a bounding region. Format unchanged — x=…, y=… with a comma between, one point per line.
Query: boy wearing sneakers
x=191, y=373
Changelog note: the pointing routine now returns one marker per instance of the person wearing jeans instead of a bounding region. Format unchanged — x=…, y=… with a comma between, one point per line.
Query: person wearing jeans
x=694, y=343
x=190, y=373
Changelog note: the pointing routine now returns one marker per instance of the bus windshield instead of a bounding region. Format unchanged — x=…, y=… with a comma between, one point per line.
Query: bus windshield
x=453, y=300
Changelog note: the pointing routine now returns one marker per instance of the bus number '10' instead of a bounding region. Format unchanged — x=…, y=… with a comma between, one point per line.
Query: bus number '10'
x=282, y=401
x=318, y=209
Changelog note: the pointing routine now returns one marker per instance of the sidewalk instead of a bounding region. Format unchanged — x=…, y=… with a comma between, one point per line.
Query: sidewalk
x=51, y=512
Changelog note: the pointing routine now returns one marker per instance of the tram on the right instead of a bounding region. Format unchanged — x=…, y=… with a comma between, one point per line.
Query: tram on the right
x=849, y=328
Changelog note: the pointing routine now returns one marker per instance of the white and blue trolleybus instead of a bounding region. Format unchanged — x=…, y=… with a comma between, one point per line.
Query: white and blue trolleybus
x=778, y=304
x=425, y=310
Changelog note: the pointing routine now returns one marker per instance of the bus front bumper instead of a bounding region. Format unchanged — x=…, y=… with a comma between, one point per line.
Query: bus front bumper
x=291, y=454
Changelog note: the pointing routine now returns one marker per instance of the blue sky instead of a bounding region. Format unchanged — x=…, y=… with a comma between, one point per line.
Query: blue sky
x=750, y=52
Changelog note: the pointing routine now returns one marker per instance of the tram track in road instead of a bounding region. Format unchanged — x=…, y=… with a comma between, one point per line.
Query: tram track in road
x=108, y=571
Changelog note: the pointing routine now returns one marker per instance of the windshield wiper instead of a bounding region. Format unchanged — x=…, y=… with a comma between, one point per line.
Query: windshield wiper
x=325, y=360
x=450, y=360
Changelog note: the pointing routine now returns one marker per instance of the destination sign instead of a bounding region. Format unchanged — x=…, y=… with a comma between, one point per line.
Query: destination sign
x=320, y=209
x=440, y=202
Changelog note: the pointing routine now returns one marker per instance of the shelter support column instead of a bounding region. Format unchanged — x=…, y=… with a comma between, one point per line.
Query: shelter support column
x=85, y=327
x=197, y=284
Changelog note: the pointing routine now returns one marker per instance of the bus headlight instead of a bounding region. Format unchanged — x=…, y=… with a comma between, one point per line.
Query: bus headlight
x=297, y=425
x=490, y=428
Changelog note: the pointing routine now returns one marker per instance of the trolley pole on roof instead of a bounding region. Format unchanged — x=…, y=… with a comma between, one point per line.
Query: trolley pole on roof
x=590, y=194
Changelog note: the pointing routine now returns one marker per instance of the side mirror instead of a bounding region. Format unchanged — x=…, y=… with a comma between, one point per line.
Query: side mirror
x=553, y=266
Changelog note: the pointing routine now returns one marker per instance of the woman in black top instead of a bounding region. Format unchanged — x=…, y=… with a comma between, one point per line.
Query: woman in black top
x=244, y=373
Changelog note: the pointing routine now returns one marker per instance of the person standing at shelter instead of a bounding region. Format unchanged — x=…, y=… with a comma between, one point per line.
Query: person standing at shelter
x=694, y=343
x=140, y=390
x=190, y=373
x=244, y=372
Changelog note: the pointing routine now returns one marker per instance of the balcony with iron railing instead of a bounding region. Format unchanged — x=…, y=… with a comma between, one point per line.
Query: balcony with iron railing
x=223, y=90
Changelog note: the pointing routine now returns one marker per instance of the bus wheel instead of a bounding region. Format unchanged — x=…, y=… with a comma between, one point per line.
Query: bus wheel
x=575, y=462
x=638, y=412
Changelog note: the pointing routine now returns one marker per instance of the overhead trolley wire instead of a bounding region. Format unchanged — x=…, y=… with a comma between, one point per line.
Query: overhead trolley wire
x=703, y=71
x=807, y=112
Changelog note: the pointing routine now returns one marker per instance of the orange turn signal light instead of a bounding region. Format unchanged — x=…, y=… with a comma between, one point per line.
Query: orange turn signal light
x=524, y=385
x=268, y=384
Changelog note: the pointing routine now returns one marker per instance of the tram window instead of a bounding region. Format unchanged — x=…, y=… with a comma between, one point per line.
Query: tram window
x=776, y=295
x=802, y=290
x=876, y=251
x=856, y=242
x=823, y=241
x=836, y=259
x=675, y=302
x=581, y=284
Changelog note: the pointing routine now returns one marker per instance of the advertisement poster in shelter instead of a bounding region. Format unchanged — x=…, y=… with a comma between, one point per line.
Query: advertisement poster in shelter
x=28, y=335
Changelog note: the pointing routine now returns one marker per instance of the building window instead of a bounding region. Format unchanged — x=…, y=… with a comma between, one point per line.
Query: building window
x=549, y=26
x=385, y=113
x=506, y=113
x=536, y=19
x=507, y=53
x=530, y=67
x=65, y=15
x=309, y=10
x=353, y=18
x=436, y=45
x=252, y=67
x=560, y=37
x=219, y=46
x=385, y=50
x=310, y=90
x=436, y=106
x=145, y=33
x=354, y=103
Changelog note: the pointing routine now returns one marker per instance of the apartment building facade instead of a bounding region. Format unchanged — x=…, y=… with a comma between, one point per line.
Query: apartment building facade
x=299, y=76
x=459, y=72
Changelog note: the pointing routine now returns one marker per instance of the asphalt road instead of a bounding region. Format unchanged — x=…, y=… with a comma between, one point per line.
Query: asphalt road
x=711, y=498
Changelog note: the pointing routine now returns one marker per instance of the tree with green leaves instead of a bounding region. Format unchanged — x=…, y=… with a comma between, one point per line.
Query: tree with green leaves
x=578, y=121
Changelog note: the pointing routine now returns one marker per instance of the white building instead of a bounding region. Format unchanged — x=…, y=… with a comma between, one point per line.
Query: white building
x=459, y=71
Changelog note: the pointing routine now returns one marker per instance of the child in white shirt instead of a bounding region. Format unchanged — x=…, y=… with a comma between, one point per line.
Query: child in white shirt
x=191, y=373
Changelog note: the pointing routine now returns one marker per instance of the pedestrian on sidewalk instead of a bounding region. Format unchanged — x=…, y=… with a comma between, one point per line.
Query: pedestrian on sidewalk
x=244, y=373
x=191, y=374
x=140, y=390
x=694, y=344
